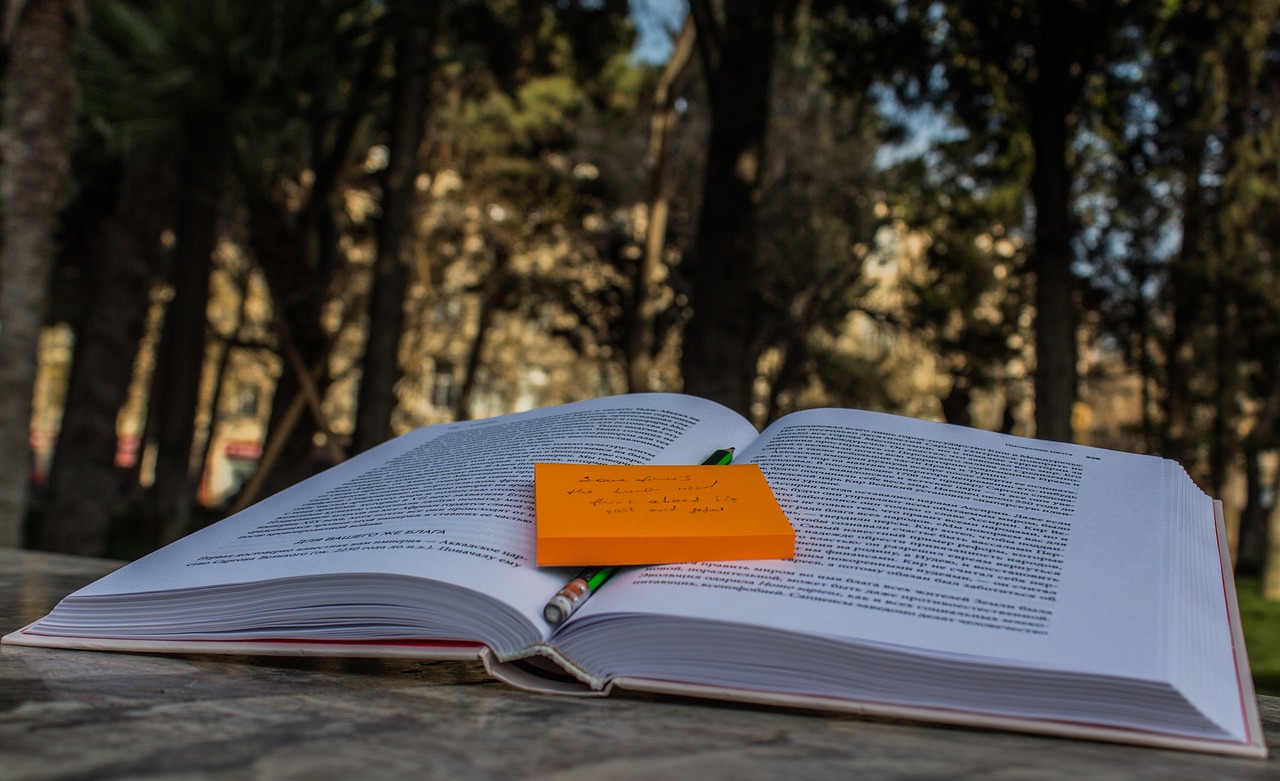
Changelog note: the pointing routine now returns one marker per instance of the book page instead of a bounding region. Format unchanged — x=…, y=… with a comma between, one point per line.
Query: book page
x=944, y=539
x=453, y=503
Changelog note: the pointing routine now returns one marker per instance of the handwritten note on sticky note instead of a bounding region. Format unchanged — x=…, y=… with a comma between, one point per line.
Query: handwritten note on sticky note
x=599, y=515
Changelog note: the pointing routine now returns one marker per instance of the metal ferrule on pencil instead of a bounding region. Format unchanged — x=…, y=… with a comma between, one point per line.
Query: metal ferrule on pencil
x=566, y=600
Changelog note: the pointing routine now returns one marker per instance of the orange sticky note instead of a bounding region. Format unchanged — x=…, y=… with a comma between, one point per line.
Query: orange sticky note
x=606, y=515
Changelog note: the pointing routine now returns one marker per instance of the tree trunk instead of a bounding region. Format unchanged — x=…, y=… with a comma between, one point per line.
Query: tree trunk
x=218, y=380
x=643, y=306
x=1238, y=247
x=957, y=404
x=175, y=391
x=1187, y=286
x=496, y=290
x=298, y=291
x=298, y=253
x=381, y=368
x=1224, y=431
x=1251, y=542
x=1051, y=99
x=84, y=480
x=1144, y=362
x=721, y=343
x=39, y=115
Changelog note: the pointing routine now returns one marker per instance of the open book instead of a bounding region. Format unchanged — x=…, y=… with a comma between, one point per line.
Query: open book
x=941, y=574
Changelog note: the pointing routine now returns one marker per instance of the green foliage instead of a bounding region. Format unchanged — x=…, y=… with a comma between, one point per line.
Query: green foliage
x=244, y=81
x=852, y=380
x=621, y=85
x=533, y=207
x=1261, y=620
x=967, y=195
x=818, y=217
x=547, y=106
x=520, y=106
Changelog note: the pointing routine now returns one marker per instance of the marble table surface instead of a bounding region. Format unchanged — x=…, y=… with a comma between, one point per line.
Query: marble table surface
x=98, y=716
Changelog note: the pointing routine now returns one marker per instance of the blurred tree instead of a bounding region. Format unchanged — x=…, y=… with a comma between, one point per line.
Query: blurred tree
x=1127, y=216
x=642, y=336
x=1194, y=135
x=120, y=252
x=412, y=29
x=531, y=220
x=959, y=193
x=515, y=87
x=965, y=195
x=232, y=94
x=39, y=117
x=1180, y=236
x=1188, y=110
x=126, y=184
x=318, y=74
x=218, y=84
x=819, y=213
x=1245, y=298
x=722, y=340
x=1064, y=55
x=180, y=358
x=1019, y=71
x=168, y=87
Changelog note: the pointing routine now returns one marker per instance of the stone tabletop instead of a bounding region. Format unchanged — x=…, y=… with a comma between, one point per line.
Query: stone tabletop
x=100, y=716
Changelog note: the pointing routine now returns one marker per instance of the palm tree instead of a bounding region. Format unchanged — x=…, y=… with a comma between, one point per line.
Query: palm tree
x=39, y=106
x=228, y=99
